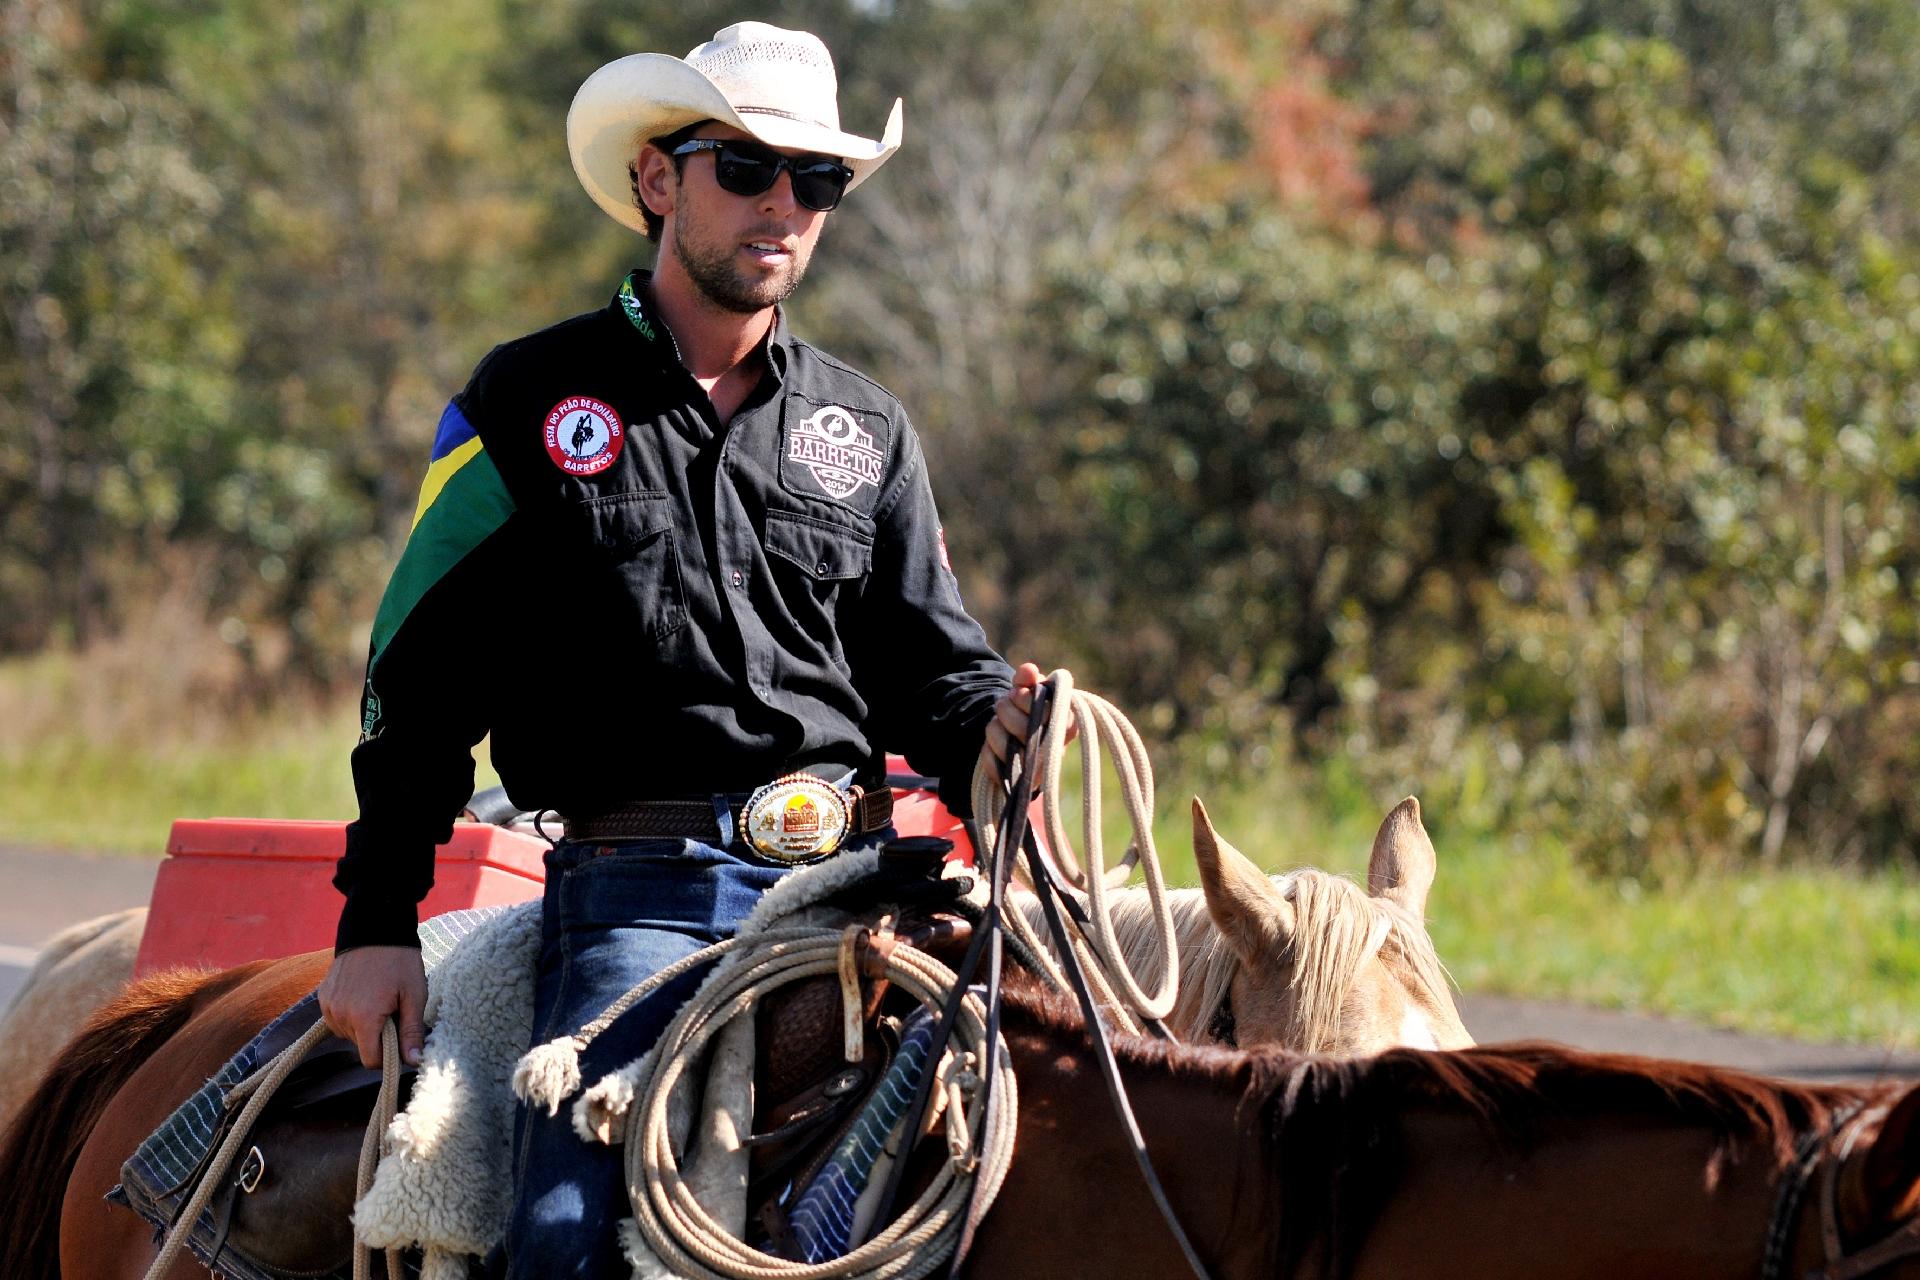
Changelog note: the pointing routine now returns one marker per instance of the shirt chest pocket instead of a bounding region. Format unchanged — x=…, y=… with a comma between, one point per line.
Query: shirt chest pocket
x=819, y=568
x=824, y=552
x=634, y=559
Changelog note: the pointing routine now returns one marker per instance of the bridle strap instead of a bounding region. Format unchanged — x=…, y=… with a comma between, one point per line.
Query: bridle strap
x=1786, y=1204
x=1902, y=1242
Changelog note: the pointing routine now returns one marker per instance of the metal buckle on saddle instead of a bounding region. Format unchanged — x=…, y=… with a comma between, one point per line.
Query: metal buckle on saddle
x=797, y=818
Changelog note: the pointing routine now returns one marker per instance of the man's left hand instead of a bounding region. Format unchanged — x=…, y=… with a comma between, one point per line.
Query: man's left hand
x=1010, y=714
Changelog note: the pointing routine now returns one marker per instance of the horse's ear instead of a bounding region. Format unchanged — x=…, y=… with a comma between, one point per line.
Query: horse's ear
x=1402, y=865
x=1253, y=916
x=1889, y=1175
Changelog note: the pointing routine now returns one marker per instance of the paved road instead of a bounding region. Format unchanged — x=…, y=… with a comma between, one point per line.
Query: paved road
x=1495, y=1018
x=42, y=893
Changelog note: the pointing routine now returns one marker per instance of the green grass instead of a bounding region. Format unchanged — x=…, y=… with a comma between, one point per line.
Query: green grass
x=1819, y=954
x=121, y=796
x=100, y=757
x=1813, y=953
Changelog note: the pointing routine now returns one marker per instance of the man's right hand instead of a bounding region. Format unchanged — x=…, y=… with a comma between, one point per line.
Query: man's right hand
x=368, y=984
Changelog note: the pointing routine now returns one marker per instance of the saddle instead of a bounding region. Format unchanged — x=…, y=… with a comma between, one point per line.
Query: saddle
x=284, y=1210
x=287, y=1205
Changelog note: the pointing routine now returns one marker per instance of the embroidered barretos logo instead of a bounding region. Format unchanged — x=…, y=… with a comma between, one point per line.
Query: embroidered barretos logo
x=583, y=435
x=838, y=452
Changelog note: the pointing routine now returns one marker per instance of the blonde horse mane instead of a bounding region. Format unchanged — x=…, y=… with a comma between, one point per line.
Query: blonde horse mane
x=1337, y=925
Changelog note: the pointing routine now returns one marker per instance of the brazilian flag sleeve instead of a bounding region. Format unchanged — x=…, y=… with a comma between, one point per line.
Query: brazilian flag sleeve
x=423, y=709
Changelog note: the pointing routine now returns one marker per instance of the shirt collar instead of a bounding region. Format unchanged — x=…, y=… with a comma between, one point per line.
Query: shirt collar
x=631, y=302
x=779, y=340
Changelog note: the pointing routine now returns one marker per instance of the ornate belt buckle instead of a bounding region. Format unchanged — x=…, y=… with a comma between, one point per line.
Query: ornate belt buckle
x=797, y=818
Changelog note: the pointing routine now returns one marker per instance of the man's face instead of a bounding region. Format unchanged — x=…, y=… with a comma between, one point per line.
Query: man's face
x=743, y=253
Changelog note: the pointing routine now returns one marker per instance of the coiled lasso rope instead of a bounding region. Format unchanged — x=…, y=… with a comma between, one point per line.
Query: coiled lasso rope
x=636, y=1101
x=1101, y=726
x=918, y=1242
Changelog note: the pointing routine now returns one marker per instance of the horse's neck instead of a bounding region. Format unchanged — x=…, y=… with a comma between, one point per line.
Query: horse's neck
x=1599, y=1196
x=1074, y=1203
x=1420, y=1188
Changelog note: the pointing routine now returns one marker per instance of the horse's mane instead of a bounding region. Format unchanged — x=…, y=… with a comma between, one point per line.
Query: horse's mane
x=1330, y=1129
x=1337, y=926
x=38, y=1152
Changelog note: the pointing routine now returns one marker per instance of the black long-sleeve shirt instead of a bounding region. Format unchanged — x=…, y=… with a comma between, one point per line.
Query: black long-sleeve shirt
x=638, y=602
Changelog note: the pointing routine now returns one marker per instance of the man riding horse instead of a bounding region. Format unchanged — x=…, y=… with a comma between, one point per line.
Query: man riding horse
x=754, y=549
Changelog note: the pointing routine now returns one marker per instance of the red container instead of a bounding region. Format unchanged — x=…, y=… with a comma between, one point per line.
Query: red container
x=240, y=889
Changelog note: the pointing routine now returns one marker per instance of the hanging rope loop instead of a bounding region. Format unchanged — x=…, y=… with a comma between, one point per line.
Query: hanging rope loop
x=1104, y=734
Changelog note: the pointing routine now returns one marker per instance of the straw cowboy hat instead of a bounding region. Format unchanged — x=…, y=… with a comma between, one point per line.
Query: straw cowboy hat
x=775, y=84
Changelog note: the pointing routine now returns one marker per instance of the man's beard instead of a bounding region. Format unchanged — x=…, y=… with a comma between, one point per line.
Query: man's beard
x=722, y=283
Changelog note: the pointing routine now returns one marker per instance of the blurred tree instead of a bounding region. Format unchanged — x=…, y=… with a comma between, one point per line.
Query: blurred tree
x=111, y=365
x=1520, y=393
x=1705, y=441
x=1272, y=454
x=1039, y=140
x=381, y=233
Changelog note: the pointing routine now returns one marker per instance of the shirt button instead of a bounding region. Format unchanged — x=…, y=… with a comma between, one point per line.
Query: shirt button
x=822, y=567
x=738, y=577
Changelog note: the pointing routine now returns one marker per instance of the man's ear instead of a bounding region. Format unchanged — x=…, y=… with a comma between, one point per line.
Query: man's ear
x=656, y=179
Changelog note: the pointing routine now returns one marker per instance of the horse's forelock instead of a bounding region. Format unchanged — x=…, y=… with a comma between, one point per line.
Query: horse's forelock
x=1334, y=933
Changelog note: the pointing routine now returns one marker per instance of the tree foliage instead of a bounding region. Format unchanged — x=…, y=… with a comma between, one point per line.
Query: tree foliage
x=1516, y=396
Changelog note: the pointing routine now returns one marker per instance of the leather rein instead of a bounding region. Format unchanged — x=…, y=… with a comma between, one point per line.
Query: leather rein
x=1810, y=1157
x=988, y=945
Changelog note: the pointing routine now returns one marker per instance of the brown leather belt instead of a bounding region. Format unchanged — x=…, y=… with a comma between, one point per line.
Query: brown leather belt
x=694, y=819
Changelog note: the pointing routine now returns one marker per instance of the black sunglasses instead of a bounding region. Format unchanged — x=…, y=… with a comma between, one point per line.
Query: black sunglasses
x=747, y=169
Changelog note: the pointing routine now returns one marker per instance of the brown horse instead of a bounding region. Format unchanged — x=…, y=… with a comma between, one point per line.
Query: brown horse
x=1519, y=1161
x=117, y=1080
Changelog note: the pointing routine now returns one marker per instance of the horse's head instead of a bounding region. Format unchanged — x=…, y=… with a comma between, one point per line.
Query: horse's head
x=1866, y=1202
x=1323, y=965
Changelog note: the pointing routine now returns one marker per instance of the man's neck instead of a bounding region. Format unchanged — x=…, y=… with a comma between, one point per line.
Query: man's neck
x=711, y=341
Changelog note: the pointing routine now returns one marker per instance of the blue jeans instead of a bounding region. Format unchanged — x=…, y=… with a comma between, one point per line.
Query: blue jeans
x=610, y=920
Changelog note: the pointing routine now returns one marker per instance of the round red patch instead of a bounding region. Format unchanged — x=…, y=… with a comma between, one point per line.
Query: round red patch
x=583, y=435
